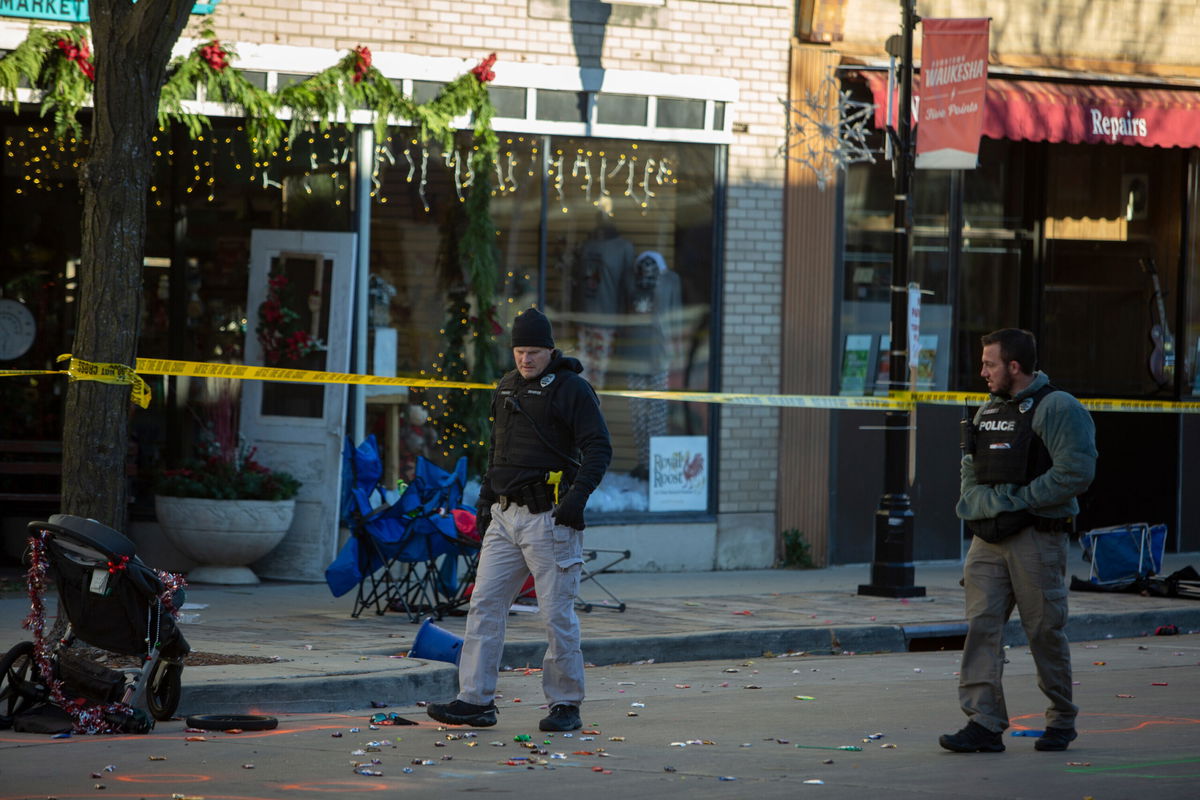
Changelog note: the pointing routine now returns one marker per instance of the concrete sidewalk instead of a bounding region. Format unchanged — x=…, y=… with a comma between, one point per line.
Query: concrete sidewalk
x=324, y=660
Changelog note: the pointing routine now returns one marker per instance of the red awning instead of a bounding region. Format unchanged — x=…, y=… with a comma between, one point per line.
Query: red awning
x=1040, y=111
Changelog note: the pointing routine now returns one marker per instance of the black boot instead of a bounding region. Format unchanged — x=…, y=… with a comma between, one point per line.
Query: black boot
x=973, y=739
x=459, y=712
x=1055, y=739
x=562, y=718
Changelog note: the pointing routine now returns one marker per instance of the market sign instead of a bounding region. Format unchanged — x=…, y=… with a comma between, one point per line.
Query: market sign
x=953, y=91
x=71, y=10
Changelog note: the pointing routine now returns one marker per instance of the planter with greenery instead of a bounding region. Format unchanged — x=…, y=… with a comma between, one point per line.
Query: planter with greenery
x=224, y=510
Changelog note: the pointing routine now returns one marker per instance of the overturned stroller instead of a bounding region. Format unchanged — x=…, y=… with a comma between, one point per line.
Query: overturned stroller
x=110, y=600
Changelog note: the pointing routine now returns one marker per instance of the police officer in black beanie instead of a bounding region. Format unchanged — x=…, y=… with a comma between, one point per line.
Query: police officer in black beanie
x=549, y=449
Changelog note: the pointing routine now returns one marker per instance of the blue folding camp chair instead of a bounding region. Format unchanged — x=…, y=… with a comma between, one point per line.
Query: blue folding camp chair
x=1124, y=554
x=433, y=497
x=362, y=468
x=404, y=556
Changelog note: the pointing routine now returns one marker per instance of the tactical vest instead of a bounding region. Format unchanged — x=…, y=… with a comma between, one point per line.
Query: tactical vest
x=516, y=444
x=1006, y=448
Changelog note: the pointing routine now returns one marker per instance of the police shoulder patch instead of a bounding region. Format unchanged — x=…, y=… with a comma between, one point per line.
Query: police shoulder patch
x=1025, y=405
x=547, y=379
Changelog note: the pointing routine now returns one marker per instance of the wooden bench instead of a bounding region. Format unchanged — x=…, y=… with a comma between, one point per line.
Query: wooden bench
x=31, y=473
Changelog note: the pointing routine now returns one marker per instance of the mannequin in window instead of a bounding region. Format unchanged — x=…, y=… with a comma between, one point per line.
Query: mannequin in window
x=652, y=301
x=600, y=261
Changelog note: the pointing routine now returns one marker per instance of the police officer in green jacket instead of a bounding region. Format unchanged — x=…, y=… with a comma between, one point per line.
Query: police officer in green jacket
x=1028, y=454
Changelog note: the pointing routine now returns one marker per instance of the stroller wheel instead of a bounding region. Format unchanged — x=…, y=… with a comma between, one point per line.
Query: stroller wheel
x=19, y=683
x=162, y=695
x=225, y=722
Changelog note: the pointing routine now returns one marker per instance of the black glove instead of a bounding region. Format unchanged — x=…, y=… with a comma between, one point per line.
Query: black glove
x=483, y=511
x=569, y=512
x=483, y=518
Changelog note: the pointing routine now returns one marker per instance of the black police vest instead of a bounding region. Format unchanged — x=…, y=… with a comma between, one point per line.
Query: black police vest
x=1006, y=448
x=516, y=444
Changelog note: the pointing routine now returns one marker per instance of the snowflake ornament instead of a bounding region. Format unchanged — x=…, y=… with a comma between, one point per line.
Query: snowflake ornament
x=827, y=131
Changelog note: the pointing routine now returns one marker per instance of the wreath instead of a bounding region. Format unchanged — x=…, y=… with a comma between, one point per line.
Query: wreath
x=279, y=331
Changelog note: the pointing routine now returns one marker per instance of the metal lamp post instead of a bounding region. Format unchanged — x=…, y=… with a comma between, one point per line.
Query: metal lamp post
x=892, y=571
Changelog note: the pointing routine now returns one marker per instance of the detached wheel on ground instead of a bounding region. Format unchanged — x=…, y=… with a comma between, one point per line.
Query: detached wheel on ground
x=166, y=686
x=225, y=722
x=20, y=687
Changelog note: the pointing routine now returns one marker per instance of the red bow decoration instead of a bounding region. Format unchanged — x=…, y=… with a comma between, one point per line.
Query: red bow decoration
x=483, y=71
x=80, y=54
x=215, y=55
x=363, y=63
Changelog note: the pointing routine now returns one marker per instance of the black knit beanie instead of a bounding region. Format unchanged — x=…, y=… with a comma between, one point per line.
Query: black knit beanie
x=532, y=329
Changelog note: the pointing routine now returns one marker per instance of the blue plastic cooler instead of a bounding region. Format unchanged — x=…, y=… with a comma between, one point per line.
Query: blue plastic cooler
x=1124, y=553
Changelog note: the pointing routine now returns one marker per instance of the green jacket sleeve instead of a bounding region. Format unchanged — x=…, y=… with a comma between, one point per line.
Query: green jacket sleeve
x=978, y=501
x=1068, y=432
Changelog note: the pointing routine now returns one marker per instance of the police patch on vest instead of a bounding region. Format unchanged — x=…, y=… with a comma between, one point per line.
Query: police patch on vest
x=547, y=380
x=1000, y=446
x=992, y=410
x=1026, y=404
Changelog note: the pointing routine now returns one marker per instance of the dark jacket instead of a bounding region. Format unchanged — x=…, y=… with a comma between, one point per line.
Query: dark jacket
x=566, y=412
x=1067, y=430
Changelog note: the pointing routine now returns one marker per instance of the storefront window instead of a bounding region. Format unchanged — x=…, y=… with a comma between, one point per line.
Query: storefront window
x=1105, y=220
x=1187, y=343
x=613, y=238
x=625, y=274
x=206, y=196
x=40, y=206
x=866, y=307
x=969, y=252
x=1112, y=253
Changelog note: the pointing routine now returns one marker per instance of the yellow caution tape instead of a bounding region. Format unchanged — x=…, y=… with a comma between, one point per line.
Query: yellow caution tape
x=158, y=366
x=899, y=400
x=1152, y=406
x=773, y=400
x=5, y=373
x=80, y=370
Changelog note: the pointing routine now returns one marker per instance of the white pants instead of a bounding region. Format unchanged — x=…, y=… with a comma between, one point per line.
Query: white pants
x=516, y=545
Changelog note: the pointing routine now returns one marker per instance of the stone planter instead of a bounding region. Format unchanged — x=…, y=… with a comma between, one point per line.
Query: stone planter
x=223, y=536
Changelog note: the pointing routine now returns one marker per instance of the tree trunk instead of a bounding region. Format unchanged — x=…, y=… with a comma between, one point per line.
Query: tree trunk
x=132, y=45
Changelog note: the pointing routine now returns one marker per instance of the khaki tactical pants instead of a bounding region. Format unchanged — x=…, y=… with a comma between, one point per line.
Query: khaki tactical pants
x=1027, y=570
x=516, y=545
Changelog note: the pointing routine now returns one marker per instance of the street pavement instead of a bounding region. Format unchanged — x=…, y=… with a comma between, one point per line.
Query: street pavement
x=722, y=728
x=314, y=657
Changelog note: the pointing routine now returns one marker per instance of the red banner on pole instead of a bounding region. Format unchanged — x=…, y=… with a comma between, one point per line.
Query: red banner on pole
x=954, y=58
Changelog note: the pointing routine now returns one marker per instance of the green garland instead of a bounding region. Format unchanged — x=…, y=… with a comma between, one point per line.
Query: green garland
x=57, y=63
x=319, y=102
x=208, y=66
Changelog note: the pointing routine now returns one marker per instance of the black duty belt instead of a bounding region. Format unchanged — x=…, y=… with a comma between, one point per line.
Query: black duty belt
x=537, y=497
